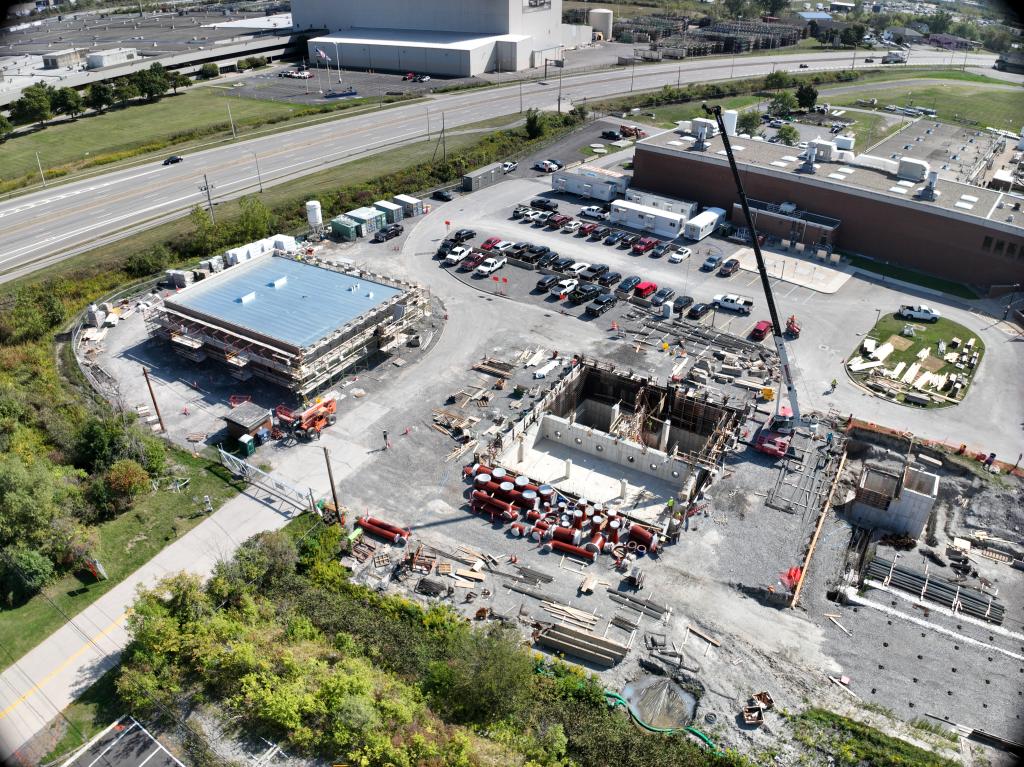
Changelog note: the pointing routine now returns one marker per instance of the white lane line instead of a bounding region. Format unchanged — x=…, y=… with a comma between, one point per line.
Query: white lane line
x=116, y=741
x=153, y=753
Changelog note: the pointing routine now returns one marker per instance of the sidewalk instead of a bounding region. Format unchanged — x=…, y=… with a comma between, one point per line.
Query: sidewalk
x=807, y=271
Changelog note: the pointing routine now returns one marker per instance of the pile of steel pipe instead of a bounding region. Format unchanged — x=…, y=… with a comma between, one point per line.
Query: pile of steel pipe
x=385, y=530
x=570, y=549
x=937, y=589
x=643, y=537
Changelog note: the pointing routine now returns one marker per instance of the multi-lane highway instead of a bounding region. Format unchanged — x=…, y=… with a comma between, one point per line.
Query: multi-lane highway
x=48, y=225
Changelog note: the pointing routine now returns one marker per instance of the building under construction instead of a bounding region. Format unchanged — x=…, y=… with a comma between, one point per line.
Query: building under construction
x=296, y=323
x=742, y=36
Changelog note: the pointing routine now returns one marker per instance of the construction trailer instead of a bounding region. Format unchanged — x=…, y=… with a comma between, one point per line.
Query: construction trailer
x=371, y=219
x=685, y=208
x=346, y=229
x=661, y=222
x=591, y=182
x=299, y=324
x=704, y=224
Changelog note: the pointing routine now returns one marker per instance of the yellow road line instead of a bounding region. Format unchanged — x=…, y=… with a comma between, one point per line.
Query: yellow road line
x=37, y=687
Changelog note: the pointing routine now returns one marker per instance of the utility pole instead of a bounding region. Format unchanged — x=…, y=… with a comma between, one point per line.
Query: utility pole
x=152, y=396
x=679, y=76
x=334, y=490
x=40, y=165
x=444, y=141
x=632, y=73
x=520, y=95
x=258, y=174
x=561, y=66
x=209, y=198
x=232, y=121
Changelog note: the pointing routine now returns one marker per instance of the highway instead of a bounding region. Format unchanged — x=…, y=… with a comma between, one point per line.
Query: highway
x=48, y=225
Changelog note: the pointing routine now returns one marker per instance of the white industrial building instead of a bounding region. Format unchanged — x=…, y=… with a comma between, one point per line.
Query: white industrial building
x=459, y=38
x=590, y=181
x=110, y=57
x=663, y=223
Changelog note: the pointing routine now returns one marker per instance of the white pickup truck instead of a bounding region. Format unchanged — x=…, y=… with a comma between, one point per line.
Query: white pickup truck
x=491, y=265
x=918, y=312
x=456, y=255
x=734, y=303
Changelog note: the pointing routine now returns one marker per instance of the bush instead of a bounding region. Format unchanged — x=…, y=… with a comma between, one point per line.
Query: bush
x=23, y=574
x=148, y=262
x=127, y=479
x=209, y=71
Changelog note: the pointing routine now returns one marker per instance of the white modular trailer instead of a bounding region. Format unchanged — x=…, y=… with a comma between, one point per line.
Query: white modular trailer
x=660, y=222
x=703, y=224
x=591, y=182
x=685, y=208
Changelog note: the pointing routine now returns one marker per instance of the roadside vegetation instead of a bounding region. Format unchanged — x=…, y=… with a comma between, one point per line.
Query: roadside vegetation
x=80, y=483
x=954, y=103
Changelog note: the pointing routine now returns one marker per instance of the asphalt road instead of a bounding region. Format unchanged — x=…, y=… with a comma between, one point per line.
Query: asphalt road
x=46, y=226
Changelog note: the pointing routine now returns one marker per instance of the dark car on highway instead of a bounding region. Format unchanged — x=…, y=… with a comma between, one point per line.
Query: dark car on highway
x=542, y=203
x=463, y=234
x=681, y=304
x=174, y=159
x=729, y=268
x=594, y=271
x=661, y=296
x=609, y=278
x=614, y=238
x=443, y=195
x=698, y=310
x=545, y=283
x=601, y=304
x=627, y=285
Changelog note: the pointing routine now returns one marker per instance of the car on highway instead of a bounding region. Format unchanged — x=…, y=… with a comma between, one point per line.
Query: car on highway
x=761, y=330
x=578, y=268
x=456, y=255
x=443, y=195
x=472, y=262
x=564, y=287
x=600, y=233
x=629, y=283
x=545, y=283
x=561, y=264
x=661, y=296
x=595, y=271
x=462, y=235
x=609, y=278
x=585, y=291
x=593, y=211
x=174, y=159
x=697, y=311
x=682, y=303
x=388, y=232
x=729, y=268
x=491, y=265
x=678, y=255
x=711, y=263
x=509, y=167
x=489, y=243
x=661, y=249
x=614, y=238
x=601, y=304
x=644, y=245
x=869, y=60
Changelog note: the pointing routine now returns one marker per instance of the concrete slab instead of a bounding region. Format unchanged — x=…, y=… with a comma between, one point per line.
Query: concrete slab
x=807, y=271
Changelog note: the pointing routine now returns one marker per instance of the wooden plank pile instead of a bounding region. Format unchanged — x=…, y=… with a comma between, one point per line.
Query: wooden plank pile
x=495, y=367
x=643, y=605
x=582, y=644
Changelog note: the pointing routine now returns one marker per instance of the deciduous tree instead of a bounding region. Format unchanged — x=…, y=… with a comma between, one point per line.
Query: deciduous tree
x=68, y=101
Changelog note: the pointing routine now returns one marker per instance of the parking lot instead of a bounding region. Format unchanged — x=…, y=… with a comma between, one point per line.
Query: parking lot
x=125, y=744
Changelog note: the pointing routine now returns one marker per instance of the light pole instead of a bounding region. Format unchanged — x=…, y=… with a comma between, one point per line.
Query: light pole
x=206, y=186
x=632, y=74
x=520, y=95
x=259, y=176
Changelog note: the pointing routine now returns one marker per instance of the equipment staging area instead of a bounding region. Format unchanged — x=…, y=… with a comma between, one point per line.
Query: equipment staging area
x=635, y=418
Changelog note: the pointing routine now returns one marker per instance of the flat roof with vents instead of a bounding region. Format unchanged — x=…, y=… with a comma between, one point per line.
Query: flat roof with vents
x=291, y=301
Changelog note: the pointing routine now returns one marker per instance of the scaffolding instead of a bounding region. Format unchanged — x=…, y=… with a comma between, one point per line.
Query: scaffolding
x=743, y=36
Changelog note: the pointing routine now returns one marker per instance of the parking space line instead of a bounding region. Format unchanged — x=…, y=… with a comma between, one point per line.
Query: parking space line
x=790, y=291
x=116, y=741
x=155, y=751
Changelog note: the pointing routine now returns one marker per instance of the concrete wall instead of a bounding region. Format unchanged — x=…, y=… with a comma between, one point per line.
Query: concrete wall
x=946, y=244
x=395, y=58
x=576, y=35
x=908, y=512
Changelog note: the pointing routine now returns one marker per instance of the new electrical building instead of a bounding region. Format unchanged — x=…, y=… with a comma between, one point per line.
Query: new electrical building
x=897, y=209
x=458, y=38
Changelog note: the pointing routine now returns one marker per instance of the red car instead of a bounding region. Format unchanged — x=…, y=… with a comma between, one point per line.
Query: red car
x=558, y=220
x=761, y=330
x=490, y=242
x=644, y=289
x=472, y=262
x=587, y=229
x=645, y=244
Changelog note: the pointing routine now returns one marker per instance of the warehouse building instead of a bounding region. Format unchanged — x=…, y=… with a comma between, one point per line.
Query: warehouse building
x=897, y=210
x=459, y=38
x=298, y=324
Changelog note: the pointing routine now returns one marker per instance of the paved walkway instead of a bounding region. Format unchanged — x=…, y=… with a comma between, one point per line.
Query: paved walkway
x=807, y=271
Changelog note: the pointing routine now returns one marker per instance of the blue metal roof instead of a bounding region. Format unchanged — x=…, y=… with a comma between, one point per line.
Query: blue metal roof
x=294, y=302
x=815, y=16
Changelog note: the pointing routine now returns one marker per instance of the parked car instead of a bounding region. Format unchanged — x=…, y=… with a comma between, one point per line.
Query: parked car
x=545, y=166
x=541, y=217
x=594, y=271
x=601, y=304
x=549, y=258
x=609, y=278
x=530, y=216
x=585, y=291
x=489, y=243
x=776, y=124
x=711, y=263
x=520, y=211
x=918, y=312
x=678, y=255
x=611, y=135
x=443, y=195
x=699, y=310
x=388, y=232
x=561, y=264
x=661, y=296
x=629, y=283
x=629, y=240
x=174, y=159
x=614, y=238
x=557, y=163
x=578, y=268
x=504, y=246
x=587, y=229
x=445, y=246
x=593, y=211
x=564, y=287
x=409, y=76
x=682, y=303
x=421, y=79
x=644, y=245
x=729, y=268
x=521, y=250
x=558, y=220
x=509, y=167
x=733, y=302
x=491, y=265
x=660, y=250
x=463, y=234
x=456, y=255
x=539, y=250
x=761, y=330
x=471, y=262
x=645, y=289
x=600, y=233
x=545, y=283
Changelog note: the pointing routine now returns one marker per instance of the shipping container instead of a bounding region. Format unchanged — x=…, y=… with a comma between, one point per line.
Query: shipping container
x=410, y=205
x=482, y=177
x=661, y=222
x=371, y=219
x=703, y=224
x=347, y=229
x=393, y=212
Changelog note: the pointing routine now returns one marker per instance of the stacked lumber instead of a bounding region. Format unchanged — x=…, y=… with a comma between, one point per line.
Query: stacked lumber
x=570, y=615
x=582, y=644
x=495, y=367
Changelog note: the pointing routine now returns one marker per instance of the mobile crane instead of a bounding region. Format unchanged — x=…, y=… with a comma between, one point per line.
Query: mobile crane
x=774, y=437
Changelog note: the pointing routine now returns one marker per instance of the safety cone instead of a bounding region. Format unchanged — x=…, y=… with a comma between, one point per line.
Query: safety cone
x=615, y=326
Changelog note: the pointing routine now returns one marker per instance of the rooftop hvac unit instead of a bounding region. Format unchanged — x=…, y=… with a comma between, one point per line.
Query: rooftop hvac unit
x=912, y=169
x=825, y=150
x=787, y=207
x=730, y=117
x=808, y=166
x=929, y=192
x=710, y=126
x=702, y=132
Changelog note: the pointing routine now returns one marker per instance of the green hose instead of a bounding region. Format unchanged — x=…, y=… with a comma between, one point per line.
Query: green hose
x=614, y=699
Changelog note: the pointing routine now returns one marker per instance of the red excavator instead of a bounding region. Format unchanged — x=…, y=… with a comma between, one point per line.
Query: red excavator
x=310, y=422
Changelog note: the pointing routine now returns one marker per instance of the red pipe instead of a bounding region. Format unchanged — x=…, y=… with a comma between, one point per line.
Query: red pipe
x=567, y=535
x=534, y=515
x=387, y=535
x=482, y=497
x=576, y=551
x=595, y=544
x=643, y=537
x=518, y=529
x=577, y=519
x=613, y=528
x=388, y=526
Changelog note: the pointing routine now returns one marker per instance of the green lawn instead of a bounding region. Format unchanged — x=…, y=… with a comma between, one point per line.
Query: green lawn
x=123, y=545
x=666, y=116
x=999, y=109
x=916, y=278
x=927, y=335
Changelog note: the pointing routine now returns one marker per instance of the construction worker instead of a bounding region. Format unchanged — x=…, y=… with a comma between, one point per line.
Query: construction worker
x=387, y=440
x=835, y=383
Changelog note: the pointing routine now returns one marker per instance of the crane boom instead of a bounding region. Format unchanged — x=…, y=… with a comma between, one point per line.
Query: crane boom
x=780, y=347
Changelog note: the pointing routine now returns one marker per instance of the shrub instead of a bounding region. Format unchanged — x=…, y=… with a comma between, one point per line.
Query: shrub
x=209, y=71
x=23, y=574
